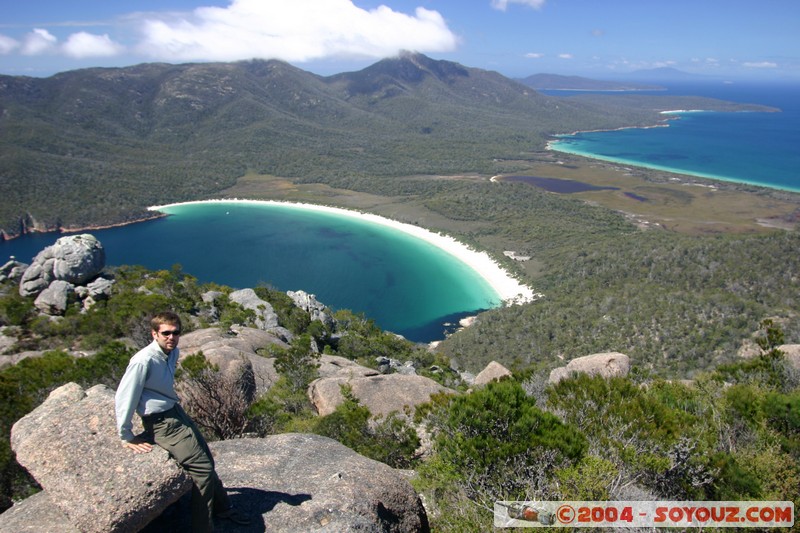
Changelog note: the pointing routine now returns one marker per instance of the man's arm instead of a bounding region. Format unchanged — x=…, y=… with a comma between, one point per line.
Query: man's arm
x=125, y=401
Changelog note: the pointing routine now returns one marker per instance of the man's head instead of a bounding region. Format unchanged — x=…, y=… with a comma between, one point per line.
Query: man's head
x=166, y=330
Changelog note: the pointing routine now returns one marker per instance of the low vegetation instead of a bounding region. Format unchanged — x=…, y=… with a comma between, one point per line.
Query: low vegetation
x=732, y=433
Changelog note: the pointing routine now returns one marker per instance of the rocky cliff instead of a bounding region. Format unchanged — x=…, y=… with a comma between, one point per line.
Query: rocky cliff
x=289, y=482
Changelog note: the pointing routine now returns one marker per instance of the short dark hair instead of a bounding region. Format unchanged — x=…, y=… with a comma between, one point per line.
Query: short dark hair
x=165, y=317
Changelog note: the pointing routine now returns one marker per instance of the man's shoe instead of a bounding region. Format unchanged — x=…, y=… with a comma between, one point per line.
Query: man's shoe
x=235, y=516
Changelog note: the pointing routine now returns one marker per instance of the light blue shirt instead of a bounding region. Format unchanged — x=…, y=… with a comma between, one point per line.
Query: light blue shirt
x=148, y=387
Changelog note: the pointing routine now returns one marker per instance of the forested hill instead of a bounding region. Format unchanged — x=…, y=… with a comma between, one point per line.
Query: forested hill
x=96, y=146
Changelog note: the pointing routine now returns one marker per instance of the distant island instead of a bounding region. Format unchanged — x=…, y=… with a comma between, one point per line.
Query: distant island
x=578, y=83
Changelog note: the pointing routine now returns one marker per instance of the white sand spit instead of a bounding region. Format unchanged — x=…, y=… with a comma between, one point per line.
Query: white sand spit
x=510, y=290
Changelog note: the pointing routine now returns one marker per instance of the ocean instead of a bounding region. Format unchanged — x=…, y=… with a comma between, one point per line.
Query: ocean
x=755, y=148
x=403, y=283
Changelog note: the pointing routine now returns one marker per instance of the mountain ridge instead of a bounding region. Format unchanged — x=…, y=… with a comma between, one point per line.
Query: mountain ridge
x=96, y=147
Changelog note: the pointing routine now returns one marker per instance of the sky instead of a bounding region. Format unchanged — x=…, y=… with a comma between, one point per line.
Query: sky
x=602, y=39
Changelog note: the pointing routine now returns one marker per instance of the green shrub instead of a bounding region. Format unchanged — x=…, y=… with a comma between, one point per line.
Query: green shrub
x=14, y=309
x=591, y=479
x=290, y=316
x=496, y=441
x=387, y=439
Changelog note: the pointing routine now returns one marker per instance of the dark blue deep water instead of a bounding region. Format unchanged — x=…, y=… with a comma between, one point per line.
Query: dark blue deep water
x=403, y=283
x=754, y=148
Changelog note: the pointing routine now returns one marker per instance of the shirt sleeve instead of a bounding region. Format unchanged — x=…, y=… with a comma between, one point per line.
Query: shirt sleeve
x=173, y=360
x=127, y=398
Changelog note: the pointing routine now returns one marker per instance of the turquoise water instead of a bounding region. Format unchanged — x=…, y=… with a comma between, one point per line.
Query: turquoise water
x=403, y=283
x=755, y=148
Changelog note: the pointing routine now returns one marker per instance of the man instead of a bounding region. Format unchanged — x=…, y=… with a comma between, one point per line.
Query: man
x=148, y=388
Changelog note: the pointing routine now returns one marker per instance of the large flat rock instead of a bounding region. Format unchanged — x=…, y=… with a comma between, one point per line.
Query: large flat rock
x=70, y=446
x=299, y=482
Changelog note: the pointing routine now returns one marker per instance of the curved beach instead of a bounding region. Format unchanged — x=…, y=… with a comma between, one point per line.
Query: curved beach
x=509, y=290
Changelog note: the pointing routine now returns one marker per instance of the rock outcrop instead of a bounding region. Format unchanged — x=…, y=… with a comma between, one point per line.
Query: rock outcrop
x=314, y=484
x=12, y=270
x=266, y=318
x=75, y=259
x=70, y=446
x=494, y=371
x=53, y=300
x=312, y=306
x=286, y=483
x=792, y=353
x=69, y=268
x=387, y=365
x=338, y=366
x=381, y=394
x=95, y=290
x=607, y=364
x=225, y=348
x=6, y=342
x=37, y=514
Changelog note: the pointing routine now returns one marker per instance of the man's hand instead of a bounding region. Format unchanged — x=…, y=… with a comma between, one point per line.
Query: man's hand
x=138, y=445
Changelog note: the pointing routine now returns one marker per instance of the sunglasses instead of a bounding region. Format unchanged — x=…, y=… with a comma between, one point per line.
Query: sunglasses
x=170, y=333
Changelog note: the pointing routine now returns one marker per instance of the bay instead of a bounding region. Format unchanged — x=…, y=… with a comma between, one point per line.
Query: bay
x=403, y=283
x=748, y=147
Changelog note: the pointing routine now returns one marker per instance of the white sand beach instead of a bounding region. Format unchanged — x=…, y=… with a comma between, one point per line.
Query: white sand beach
x=510, y=290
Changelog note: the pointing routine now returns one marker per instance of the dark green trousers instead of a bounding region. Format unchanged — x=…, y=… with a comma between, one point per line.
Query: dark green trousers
x=175, y=432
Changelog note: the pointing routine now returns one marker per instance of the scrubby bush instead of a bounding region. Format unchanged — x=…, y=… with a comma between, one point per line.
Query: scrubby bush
x=290, y=316
x=286, y=407
x=493, y=444
x=387, y=439
x=217, y=401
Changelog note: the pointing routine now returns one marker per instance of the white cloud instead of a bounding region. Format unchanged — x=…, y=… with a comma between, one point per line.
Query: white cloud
x=80, y=45
x=761, y=64
x=502, y=5
x=7, y=44
x=294, y=30
x=534, y=55
x=38, y=42
x=662, y=64
x=565, y=56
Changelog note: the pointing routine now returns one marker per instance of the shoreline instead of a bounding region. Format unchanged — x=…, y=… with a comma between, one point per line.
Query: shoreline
x=508, y=289
x=674, y=114
x=660, y=168
x=66, y=231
